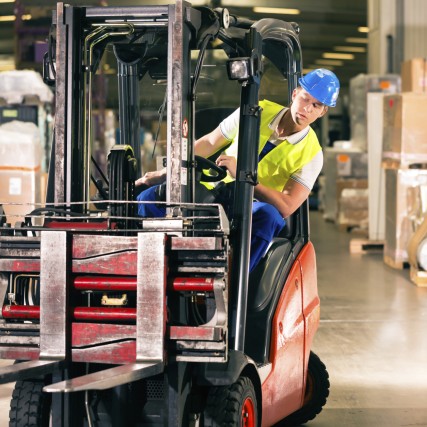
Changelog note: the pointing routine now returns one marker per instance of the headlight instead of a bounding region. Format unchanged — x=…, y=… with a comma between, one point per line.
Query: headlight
x=239, y=69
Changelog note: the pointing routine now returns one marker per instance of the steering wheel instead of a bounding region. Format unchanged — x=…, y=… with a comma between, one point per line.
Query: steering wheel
x=220, y=172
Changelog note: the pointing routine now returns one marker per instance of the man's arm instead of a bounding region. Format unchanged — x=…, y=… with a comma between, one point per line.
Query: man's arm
x=152, y=178
x=286, y=202
x=204, y=146
x=210, y=143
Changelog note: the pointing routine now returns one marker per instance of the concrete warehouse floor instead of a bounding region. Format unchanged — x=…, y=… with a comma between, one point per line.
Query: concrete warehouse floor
x=372, y=338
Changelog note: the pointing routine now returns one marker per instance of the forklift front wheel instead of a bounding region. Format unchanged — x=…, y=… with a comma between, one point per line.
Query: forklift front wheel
x=29, y=405
x=234, y=405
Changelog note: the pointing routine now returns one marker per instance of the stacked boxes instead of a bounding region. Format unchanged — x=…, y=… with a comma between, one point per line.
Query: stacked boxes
x=20, y=156
x=406, y=191
x=26, y=98
x=360, y=86
x=366, y=204
x=343, y=169
x=414, y=75
x=353, y=208
x=405, y=163
x=405, y=130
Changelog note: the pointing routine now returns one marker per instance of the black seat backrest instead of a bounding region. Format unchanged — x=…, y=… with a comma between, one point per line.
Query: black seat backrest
x=208, y=119
x=266, y=283
x=288, y=230
x=264, y=277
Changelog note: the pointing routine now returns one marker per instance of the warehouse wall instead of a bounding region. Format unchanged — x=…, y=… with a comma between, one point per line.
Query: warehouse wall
x=382, y=22
x=415, y=30
x=401, y=23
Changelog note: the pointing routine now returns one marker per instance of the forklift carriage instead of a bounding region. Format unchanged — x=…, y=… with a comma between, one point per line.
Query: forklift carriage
x=118, y=320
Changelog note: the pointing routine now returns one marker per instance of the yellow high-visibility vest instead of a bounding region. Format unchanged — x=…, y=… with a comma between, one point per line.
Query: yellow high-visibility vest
x=277, y=166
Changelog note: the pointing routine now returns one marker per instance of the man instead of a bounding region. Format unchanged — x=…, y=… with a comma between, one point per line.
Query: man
x=290, y=156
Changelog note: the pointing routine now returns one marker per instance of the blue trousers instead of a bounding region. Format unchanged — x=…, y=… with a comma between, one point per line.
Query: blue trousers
x=266, y=222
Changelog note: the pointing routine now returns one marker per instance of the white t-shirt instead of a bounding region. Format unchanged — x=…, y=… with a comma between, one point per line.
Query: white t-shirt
x=308, y=174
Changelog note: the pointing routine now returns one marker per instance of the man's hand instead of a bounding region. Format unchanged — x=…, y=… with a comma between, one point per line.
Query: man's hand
x=229, y=162
x=152, y=178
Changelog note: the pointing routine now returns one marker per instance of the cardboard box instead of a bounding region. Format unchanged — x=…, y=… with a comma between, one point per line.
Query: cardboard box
x=20, y=170
x=345, y=165
x=405, y=128
x=348, y=194
x=19, y=193
x=353, y=208
x=414, y=75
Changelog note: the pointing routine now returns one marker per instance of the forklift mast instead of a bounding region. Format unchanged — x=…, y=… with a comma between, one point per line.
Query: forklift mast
x=178, y=29
x=154, y=39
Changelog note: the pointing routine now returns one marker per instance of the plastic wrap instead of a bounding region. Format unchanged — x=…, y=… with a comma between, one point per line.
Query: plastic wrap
x=405, y=129
x=20, y=156
x=406, y=205
x=359, y=87
x=15, y=85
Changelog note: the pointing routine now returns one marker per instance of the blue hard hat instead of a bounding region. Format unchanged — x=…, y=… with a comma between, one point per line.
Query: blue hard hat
x=323, y=85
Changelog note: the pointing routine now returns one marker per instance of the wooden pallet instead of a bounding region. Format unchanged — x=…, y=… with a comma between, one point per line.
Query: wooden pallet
x=419, y=277
x=397, y=264
x=404, y=162
x=366, y=246
x=355, y=230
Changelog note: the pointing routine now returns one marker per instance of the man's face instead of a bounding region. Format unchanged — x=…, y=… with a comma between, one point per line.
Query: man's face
x=305, y=109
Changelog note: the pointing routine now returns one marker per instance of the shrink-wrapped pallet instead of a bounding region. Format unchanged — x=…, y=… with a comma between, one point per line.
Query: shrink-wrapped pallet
x=20, y=155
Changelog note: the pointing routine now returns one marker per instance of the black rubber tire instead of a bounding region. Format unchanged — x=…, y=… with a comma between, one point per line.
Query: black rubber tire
x=29, y=407
x=316, y=394
x=225, y=405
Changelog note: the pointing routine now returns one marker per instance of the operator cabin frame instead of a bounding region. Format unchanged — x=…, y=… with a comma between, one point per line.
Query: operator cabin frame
x=275, y=39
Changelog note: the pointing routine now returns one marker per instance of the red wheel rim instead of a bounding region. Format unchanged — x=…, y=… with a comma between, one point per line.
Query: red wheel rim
x=248, y=413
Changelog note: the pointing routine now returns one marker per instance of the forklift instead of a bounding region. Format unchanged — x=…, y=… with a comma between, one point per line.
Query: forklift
x=118, y=320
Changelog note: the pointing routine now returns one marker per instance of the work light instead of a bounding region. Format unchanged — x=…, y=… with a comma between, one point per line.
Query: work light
x=239, y=69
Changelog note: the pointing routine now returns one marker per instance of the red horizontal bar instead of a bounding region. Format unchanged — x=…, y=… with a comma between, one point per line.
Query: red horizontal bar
x=104, y=313
x=193, y=284
x=21, y=312
x=77, y=225
x=99, y=283
x=79, y=313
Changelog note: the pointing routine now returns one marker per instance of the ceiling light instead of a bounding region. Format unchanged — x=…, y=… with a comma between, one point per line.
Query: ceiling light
x=331, y=55
x=7, y=63
x=363, y=30
x=316, y=66
x=355, y=49
x=336, y=62
x=359, y=40
x=276, y=10
x=10, y=18
x=7, y=1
